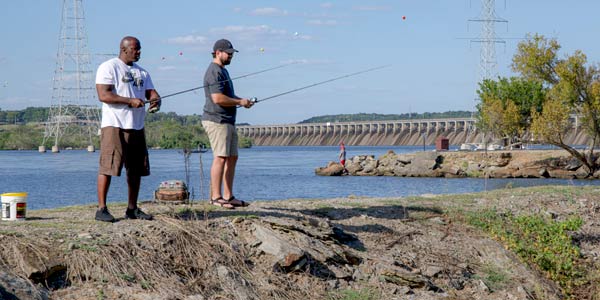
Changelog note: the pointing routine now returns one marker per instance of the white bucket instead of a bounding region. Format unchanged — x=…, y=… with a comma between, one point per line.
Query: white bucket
x=14, y=206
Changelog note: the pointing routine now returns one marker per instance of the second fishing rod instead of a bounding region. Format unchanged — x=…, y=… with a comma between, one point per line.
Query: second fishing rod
x=256, y=100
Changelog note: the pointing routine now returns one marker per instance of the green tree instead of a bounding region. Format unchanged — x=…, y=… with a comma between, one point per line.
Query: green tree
x=574, y=88
x=506, y=106
x=17, y=137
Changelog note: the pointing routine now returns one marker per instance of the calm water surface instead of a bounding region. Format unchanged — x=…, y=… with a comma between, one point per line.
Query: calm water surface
x=263, y=173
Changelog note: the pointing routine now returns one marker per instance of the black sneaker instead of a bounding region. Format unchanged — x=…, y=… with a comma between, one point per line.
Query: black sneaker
x=104, y=215
x=137, y=213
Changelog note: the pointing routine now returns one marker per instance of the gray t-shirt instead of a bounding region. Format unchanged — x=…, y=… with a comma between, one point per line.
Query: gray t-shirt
x=217, y=80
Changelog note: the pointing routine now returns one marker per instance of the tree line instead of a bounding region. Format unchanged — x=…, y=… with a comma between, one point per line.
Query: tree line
x=163, y=130
x=30, y=114
x=384, y=117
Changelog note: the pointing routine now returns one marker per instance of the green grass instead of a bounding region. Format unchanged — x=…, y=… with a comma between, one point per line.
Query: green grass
x=474, y=173
x=100, y=295
x=243, y=216
x=11, y=233
x=539, y=241
x=393, y=202
x=55, y=225
x=494, y=278
x=127, y=277
x=363, y=294
x=355, y=204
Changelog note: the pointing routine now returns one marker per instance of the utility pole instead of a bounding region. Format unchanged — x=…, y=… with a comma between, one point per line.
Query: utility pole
x=487, y=58
x=488, y=39
x=72, y=111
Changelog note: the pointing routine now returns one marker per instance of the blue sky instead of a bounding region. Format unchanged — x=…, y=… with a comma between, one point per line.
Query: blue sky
x=432, y=68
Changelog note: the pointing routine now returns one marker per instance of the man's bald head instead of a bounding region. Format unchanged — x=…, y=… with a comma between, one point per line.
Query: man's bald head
x=130, y=49
x=126, y=41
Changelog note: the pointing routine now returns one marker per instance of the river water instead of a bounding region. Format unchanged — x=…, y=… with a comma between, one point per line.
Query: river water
x=263, y=173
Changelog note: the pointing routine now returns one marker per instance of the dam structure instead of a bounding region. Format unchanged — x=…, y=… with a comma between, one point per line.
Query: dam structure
x=411, y=132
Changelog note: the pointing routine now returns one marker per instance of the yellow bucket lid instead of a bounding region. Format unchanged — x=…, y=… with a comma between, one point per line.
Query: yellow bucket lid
x=20, y=194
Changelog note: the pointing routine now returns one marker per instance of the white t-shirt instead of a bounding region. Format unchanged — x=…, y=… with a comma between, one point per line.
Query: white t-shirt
x=129, y=81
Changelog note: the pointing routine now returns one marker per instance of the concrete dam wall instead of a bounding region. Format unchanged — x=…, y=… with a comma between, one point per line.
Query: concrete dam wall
x=376, y=133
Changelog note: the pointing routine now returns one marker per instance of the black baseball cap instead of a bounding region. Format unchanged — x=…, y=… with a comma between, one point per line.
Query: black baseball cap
x=224, y=45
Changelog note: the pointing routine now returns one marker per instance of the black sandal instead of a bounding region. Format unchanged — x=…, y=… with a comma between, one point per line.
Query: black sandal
x=242, y=203
x=222, y=203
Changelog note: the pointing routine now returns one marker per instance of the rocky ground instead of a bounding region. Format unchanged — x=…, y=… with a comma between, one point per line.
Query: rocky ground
x=346, y=248
x=451, y=164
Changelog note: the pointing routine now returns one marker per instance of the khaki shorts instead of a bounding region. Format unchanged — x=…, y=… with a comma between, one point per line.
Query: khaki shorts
x=223, y=138
x=120, y=147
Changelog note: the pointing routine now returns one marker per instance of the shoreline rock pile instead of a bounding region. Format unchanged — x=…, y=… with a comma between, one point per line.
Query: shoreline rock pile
x=478, y=164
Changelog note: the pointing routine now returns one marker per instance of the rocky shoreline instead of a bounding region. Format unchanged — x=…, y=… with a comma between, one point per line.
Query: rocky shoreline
x=452, y=164
x=346, y=248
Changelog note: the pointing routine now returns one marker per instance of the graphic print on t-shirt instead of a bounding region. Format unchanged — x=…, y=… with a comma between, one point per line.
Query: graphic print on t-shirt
x=133, y=76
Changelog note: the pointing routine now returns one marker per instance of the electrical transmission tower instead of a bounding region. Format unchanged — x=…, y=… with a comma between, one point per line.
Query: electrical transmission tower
x=72, y=114
x=488, y=39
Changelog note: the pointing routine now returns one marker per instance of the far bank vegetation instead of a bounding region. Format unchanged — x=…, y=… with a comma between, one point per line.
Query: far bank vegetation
x=24, y=130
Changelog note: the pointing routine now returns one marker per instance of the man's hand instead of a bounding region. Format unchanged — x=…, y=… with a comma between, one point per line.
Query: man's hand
x=136, y=102
x=154, y=105
x=246, y=103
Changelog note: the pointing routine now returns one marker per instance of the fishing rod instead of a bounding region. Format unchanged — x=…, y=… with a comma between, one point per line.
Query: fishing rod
x=256, y=100
x=197, y=88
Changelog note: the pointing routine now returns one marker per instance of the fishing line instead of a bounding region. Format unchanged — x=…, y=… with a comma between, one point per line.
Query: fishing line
x=255, y=100
x=197, y=88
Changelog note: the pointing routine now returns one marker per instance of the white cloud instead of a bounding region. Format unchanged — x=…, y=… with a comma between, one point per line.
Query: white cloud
x=304, y=37
x=269, y=12
x=166, y=68
x=188, y=40
x=372, y=8
x=305, y=61
x=316, y=22
x=327, y=5
x=249, y=33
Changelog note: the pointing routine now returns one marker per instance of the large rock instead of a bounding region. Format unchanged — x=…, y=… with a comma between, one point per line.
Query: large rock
x=13, y=287
x=424, y=165
x=388, y=160
x=369, y=165
x=288, y=257
x=332, y=169
x=234, y=284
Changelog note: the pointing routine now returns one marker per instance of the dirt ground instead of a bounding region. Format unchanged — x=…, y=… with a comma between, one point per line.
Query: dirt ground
x=345, y=248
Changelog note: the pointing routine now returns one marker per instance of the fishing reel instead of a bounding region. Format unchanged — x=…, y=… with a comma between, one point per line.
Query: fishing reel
x=253, y=100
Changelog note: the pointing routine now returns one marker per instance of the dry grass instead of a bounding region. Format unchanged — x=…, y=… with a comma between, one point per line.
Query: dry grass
x=178, y=257
x=171, y=257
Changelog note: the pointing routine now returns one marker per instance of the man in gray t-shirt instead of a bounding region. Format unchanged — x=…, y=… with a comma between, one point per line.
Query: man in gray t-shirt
x=219, y=122
x=217, y=80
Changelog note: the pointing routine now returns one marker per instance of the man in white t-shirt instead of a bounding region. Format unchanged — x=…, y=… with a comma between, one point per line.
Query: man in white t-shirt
x=122, y=86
